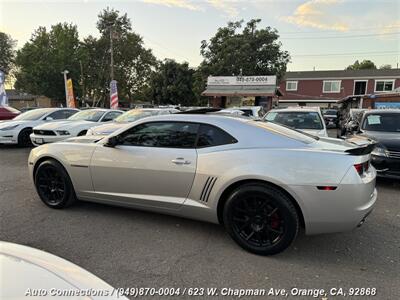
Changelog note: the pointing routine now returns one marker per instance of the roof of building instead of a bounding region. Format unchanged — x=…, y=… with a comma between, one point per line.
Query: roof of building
x=330, y=74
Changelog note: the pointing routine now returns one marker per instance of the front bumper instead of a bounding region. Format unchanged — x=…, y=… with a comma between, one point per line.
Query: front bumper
x=38, y=140
x=8, y=137
x=386, y=166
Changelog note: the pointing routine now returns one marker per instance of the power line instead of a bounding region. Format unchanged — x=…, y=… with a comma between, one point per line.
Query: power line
x=351, y=30
x=348, y=53
x=340, y=37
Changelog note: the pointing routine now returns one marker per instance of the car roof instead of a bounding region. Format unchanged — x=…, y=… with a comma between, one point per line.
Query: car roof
x=296, y=108
x=383, y=111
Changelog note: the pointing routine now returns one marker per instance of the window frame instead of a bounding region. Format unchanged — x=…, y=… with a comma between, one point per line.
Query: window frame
x=110, y=112
x=331, y=92
x=186, y=122
x=384, y=82
x=292, y=81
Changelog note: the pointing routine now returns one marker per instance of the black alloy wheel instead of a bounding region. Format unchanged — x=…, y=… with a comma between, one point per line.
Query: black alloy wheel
x=54, y=185
x=261, y=219
x=24, y=139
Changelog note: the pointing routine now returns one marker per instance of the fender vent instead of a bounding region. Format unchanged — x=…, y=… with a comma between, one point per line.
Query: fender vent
x=208, y=186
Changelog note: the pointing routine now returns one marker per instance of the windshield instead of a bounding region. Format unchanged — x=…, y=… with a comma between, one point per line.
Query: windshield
x=298, y=120
x=388, y=122
x=87, y=115
x=133, y=115
x=31, y=115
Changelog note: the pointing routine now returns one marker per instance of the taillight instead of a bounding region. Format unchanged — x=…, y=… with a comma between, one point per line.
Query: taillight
x=361, y=168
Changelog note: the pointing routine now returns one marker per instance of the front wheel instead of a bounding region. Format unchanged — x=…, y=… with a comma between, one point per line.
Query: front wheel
x=24, y=139
x=54, y=185
x=261, y=219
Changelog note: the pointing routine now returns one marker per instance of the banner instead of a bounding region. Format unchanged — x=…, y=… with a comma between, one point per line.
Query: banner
x=241, y=80
x=3, y=96
x=70, y=94
x=113, y=95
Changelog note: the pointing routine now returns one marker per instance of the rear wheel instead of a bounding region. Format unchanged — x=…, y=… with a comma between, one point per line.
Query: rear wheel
x=261, y=219
x=54, y=185
x=23, y=138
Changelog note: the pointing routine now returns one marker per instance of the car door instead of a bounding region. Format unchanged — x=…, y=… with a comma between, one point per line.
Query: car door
x=153, y=164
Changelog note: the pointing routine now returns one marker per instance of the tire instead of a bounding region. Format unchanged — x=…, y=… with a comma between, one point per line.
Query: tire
x=83, y=132
x=261, y=219
x=53, y=185
x=23, y=138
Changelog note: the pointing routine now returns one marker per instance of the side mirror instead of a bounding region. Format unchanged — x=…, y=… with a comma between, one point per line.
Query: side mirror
x=113, y=141
x=48, y=118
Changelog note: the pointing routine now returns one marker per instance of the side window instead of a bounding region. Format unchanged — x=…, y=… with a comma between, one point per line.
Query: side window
x=110, y=116
x=162, y=134
x=210, y=136
x=61, y=114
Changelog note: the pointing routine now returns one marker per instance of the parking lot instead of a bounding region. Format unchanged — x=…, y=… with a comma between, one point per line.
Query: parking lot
x=130, y=248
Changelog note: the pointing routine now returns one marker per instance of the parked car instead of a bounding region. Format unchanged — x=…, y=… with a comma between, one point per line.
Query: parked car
x=129, y=116
x=350, y=122
x=383, y=126
x=8, y=112
x=76, y=125
x=255, y=112
x=18, y=130
x=35, y=273
x=331, y=118
x=306, y=119
x=262, y=181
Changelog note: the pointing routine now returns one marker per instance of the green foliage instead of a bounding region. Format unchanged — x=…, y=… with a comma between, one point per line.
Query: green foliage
x=172, y=83
x=251, y=50
x=42, y=59
x=365, y=64
x=7, y=52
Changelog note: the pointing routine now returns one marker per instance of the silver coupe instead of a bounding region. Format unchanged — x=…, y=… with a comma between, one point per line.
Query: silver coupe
x=262, y=181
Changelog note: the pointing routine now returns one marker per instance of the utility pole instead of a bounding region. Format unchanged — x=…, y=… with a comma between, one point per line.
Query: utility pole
x=65, y=72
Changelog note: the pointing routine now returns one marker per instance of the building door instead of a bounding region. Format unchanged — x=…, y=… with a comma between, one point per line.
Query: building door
x=360, y=87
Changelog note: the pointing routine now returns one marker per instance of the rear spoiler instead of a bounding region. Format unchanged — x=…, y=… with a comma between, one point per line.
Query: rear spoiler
x=364, y=150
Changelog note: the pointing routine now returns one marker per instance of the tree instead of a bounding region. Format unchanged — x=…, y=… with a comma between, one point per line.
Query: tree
x=385, y=67
x=42, y=59
x=133, y=63
x=7, y=52
x=365, y=64
x=251, y=51
x=172, y=83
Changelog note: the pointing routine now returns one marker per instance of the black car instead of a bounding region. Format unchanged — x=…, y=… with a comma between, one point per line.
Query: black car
x=331, y=118
x=383, y=126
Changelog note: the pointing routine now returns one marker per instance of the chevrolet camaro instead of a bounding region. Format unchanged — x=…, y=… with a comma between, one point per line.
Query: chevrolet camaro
x=261, y=180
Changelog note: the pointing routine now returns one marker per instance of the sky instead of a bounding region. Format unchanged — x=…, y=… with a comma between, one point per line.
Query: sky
x=320, y=34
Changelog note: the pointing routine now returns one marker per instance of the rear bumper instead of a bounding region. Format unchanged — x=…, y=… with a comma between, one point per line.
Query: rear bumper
x=339, y=210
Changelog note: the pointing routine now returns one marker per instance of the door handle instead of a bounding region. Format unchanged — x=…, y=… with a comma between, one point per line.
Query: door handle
x=180, y=161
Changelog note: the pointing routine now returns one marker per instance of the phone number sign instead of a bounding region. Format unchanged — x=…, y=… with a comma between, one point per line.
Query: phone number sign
x=241, y=80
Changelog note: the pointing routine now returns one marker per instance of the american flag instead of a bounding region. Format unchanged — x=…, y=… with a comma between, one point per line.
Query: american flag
x=113, y=94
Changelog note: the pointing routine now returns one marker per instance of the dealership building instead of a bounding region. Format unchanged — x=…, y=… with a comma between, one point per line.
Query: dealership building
x=228, y=91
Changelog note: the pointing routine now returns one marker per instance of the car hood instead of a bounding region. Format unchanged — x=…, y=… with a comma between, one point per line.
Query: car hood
x=64, y=125
x=8, y=123
x=315, y=132
x=391, y=140
x=107, y=129
x=35, y=270
x=85, y=139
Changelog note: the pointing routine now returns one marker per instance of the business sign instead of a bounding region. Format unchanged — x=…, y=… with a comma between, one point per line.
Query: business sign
x=241, y=80
x=70, y=94
x=387, y=105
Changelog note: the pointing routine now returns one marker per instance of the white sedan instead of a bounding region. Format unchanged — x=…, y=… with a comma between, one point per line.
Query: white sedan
x=76, y=125
x=17, y=130
x=128, y=117
x=306, y=119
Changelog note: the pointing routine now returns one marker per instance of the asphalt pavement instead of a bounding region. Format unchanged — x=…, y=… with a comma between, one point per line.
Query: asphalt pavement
x=131, y=248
